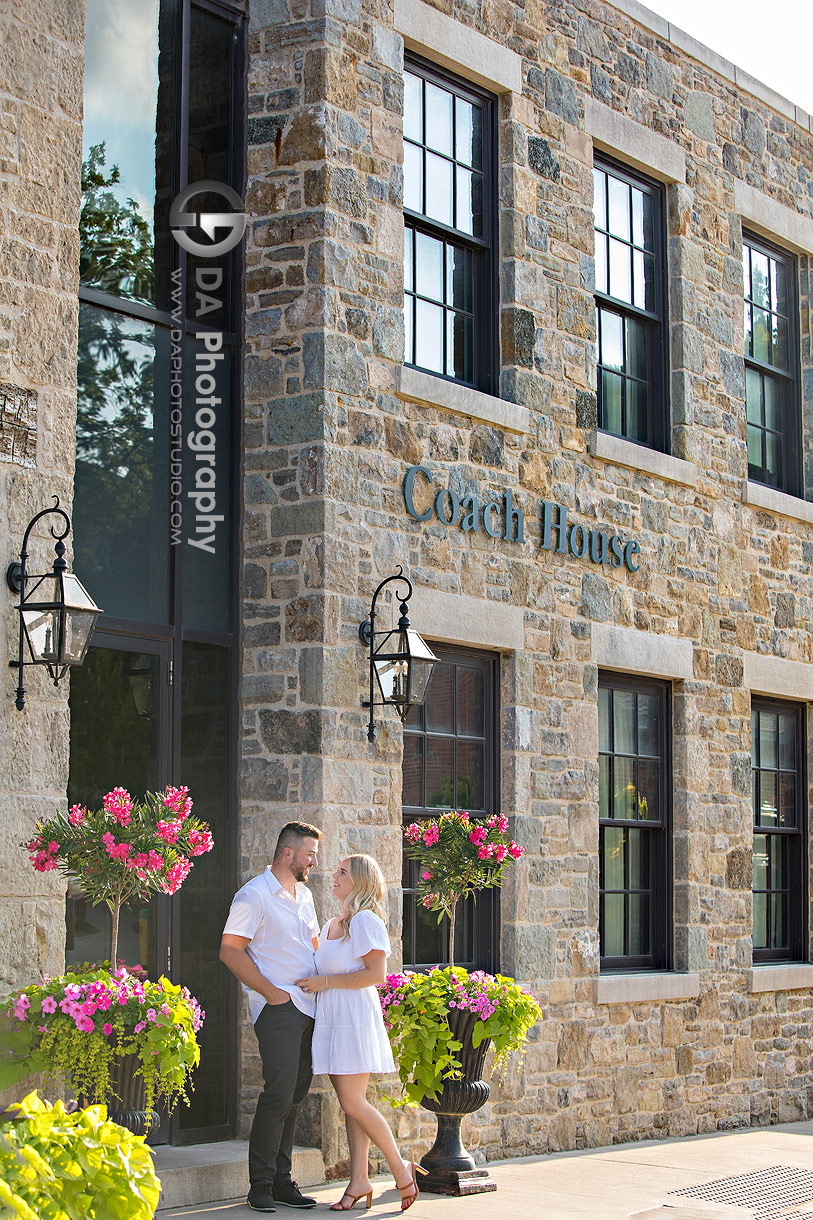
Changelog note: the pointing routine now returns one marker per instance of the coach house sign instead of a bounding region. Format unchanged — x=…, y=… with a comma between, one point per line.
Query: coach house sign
x=502, y=518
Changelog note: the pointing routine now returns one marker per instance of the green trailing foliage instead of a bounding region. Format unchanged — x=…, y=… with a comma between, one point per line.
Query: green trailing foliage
x=60, y=1166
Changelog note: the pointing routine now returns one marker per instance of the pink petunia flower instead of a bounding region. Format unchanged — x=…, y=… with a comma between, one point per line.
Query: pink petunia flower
x=107, y=1029
x=49, y=1004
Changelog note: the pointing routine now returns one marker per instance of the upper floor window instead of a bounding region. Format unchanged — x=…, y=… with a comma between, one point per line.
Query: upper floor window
x=777, y=753
x=450, y=221
x=630, y=305
x=634, y=819
x=771, y=364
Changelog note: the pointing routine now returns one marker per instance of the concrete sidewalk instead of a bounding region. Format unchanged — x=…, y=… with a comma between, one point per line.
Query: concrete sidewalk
x=763, y=1173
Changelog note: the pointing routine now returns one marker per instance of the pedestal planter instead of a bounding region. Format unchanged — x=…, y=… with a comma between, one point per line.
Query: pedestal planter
x=450, y=1168
x=128, y=1094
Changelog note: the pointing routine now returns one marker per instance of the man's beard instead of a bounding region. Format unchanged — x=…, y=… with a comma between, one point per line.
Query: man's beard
x=301, y=873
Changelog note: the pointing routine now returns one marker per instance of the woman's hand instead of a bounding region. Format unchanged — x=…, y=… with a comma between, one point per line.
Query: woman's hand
x=316, y=982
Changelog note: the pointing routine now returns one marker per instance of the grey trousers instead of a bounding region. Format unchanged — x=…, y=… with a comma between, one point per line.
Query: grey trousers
x=284, y=1036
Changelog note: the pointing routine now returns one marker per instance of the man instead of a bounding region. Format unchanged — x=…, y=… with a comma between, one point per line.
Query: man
x=269, y=941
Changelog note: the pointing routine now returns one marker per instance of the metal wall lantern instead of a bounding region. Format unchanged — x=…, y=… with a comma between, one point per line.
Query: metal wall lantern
x=57, y=614
x=401, y=663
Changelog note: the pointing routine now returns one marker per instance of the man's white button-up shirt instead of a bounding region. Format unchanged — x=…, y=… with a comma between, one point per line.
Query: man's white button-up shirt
x=281, y=927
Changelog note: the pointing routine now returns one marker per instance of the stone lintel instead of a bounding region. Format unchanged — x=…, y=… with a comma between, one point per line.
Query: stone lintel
x=622, y=452
x=635, y=988
x=768, y=675
x=415, y=386
x=456, y=46
x=641, y=652
x=759, y=496
x=454, y=618
x=792, y=977
x=643, y=149
x=773, y=219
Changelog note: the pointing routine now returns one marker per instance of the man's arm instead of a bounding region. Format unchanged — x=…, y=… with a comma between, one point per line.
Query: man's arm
x=233, y=955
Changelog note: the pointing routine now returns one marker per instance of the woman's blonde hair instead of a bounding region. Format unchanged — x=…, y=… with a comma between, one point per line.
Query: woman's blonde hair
x=368, y=892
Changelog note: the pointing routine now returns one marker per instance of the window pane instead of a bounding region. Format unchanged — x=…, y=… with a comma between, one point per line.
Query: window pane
x=624, y=787
x=413, y=178
x=612, y=340
x=767, y=739
x=773, y=404
x=460, y=278
x=748, y=329
x=787, y=743
x=470, y=775
x=760, y=862
x=755, y=459
x=638, y=280
x=772, y=458
x=470, y=701
x=639, y=938
x=601, y=263
x=412, y=769
x=613, y=857
x=468, y=201
x=429, y=267
x=439, y=189
x=636, y=354
x=780, y=342
x=637, y=217
x=620, y=274
x=611, y=402
x=430, y=938
x=637, y=396
x=439, y=773
x=120, y=129
x=604, y=714
x=599, y=198
x=409, y=259
x=753, y=396
x=777, y=869
x=648, y=791
x=438, y=119
x=619, y=207
x=409, y=338
x=760, y=933
x=604, y=764
x=429, y=337
x=413, y=110
x=638, y=847
x=787, y=799
x=767, y=798
x=460, y=346
x=624, y=721
x=469, y=134
x=760, y=293
x=778, y=903
x=761, y=338
x=650, y=295
x=612, y=925
x=440, y=703
x=121, y=496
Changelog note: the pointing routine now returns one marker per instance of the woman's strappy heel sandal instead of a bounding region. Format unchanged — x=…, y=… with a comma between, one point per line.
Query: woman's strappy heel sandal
x=412, y=1185
x=365, y=1194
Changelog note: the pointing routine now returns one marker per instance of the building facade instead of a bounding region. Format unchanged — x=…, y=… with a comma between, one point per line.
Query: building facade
x=523, y=306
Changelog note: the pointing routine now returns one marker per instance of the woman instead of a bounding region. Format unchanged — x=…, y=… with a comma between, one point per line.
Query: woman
x=349, y=1039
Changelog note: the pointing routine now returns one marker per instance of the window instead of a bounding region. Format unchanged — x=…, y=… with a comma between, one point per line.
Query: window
x=634, y=819
x=450, y=222
x=771, y=363
x=630, y=305
x=777, y=761
x=450, y=762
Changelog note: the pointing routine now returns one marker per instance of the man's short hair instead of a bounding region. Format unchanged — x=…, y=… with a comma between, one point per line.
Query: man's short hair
x=293, y=834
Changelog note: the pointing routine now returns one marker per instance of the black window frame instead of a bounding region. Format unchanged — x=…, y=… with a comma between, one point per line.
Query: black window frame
x=661, y=887
x=485, y=912
x=796, y=912
x=789, y=474
x=169, y=637
x=656, y=321
x=484, y=250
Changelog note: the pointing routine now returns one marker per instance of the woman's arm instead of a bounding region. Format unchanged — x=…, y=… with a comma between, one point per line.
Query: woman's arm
x=374, y=973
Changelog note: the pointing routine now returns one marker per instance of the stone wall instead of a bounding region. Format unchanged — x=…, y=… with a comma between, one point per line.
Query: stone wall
x=328, y=441
x=40, y=159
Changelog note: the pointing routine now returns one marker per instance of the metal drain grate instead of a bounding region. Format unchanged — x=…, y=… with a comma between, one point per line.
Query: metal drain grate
x=768, y=1191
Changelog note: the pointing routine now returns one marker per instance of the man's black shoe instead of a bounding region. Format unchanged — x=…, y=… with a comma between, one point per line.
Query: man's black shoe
x=261, y=1198
x=289, y=1194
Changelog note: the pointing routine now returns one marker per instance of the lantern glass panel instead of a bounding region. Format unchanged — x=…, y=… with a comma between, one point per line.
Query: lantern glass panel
x=391, y=661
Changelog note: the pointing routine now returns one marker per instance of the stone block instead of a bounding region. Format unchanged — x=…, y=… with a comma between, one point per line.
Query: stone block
x=285, y=732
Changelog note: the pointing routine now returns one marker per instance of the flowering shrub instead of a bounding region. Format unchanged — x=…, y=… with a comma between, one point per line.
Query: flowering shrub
x=55, y=1165
x=76, y=1025
x=416, y=1015
x=126, y=849
x=458, y=855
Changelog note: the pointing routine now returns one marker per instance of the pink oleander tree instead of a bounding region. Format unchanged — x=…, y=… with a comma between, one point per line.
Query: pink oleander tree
x=458, y=855
x=126, y=850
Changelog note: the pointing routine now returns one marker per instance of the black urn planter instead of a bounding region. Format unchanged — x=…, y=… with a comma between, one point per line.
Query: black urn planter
x=126, y=1102
x=450, y=1168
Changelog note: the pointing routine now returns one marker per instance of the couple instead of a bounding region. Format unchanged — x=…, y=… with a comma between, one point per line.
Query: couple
x=272, y=944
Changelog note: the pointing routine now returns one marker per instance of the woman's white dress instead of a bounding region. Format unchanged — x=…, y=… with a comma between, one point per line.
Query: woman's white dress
x=349, y=1034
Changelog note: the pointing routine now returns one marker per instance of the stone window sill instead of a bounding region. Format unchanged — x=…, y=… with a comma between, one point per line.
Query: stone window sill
x=414, y=386
x=760, y=496
x=622, y=452
x=638, y=988
x=793, y=977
